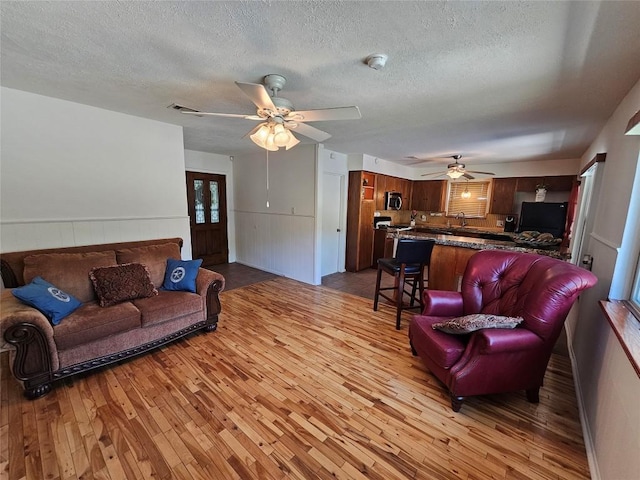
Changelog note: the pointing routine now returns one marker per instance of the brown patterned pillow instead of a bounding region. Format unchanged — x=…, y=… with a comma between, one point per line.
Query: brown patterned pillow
x=477, y=321
x=123, y=282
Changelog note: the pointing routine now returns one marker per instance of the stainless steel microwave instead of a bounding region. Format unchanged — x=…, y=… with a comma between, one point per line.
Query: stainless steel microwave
x=392, y=200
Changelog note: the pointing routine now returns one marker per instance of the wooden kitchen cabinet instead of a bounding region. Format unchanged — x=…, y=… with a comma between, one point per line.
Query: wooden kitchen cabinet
x=503, y=195
x=528, y=184
x=505, y=189
x=428, y=195
x=561, y=183
x=387, y=183
x=360, y=208
x=381, y=188
x=556, y=183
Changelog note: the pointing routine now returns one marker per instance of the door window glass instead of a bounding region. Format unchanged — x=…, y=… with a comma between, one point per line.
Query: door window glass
x=198, y=186
x=215, y=202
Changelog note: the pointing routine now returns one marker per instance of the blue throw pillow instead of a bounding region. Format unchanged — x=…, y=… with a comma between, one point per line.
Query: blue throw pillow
x=181, y=275
x=51, y=301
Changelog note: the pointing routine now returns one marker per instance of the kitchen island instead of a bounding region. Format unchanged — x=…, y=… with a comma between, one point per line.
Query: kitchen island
x=452, y=251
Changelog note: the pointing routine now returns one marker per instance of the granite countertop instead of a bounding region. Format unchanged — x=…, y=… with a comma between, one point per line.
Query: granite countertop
x=475, y=243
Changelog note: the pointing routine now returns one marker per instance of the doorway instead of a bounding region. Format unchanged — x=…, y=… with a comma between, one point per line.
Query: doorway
x=207, y=201
x=332, y=187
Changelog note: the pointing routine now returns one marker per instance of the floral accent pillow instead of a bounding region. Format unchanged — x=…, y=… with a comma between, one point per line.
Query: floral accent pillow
x=477, y=321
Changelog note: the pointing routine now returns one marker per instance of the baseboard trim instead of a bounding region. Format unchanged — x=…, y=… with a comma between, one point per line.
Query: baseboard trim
x=586, y=431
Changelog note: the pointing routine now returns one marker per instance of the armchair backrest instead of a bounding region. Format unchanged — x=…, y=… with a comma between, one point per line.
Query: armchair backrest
x=538, y=288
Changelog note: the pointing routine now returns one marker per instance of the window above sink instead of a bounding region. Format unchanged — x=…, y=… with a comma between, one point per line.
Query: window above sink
x=468, y=197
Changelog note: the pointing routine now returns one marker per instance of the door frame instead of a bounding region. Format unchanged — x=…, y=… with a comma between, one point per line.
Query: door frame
x=223, y=209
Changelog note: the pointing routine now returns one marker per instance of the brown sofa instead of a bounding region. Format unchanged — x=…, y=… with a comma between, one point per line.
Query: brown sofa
x=93, y=336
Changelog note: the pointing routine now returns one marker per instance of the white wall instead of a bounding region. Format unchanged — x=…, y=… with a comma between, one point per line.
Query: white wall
x=607, y=385
x=280, y=238
x=78, y=175
x=221, y=165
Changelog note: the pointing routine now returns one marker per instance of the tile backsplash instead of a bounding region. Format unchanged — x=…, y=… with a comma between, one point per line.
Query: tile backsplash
x=403, y=217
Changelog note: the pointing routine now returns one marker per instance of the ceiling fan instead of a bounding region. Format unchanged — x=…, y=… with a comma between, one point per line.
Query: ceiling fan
x=457, y=170
x=279, y=117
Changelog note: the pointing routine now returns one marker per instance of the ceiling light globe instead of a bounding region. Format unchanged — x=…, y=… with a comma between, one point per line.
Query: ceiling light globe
x=454, y=174
x=281, y=136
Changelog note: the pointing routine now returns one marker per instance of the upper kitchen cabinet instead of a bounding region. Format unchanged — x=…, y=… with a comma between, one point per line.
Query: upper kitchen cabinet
x=428, y=195
x=503, y=195
x=381, y=187
x=559, y=183
x=563, y=183
x=387, y=183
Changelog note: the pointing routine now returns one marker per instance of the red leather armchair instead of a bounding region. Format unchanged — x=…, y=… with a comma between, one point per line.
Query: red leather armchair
x=537, y=288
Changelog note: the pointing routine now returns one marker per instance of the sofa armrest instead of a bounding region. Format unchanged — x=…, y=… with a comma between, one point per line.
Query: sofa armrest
x=31, y=333
x=500, y=340
x=208, y=285
x=442, y=303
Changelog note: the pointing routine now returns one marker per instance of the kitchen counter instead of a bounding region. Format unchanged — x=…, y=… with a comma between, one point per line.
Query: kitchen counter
x=448, y=237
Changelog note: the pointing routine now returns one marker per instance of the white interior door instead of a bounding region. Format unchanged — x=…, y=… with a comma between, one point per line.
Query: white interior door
x=331, y=221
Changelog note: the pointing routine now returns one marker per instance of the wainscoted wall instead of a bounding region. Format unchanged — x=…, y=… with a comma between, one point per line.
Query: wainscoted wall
x=73, y=174
x=278, y=237
x=607, y=386
x=280, y=244
x=31, y=235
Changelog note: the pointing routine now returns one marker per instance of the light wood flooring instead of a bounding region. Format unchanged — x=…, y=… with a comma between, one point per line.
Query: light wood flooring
x=298, y=382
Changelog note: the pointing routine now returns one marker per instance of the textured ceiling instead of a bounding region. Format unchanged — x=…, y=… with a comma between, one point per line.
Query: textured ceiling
x=495, y=81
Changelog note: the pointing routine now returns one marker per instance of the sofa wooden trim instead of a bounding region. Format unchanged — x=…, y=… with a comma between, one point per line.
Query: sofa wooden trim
x=30, y=340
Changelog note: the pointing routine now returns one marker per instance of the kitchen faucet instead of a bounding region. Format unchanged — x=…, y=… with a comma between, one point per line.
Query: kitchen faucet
x=461, y=215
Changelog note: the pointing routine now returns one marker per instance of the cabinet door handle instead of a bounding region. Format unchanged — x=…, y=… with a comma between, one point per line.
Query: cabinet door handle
x=337, y=229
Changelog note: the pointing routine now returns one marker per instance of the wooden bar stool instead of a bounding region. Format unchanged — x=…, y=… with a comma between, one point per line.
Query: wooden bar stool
x=408, y=267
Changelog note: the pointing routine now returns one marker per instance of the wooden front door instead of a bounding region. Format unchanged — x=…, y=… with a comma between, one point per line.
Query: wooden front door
x=207, y=199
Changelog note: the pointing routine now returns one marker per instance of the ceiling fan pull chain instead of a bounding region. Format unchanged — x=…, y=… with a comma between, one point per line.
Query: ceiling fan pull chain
x=267, y=178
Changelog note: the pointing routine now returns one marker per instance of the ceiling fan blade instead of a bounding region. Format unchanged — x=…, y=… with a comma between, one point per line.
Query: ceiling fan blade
x=258, y=95
x=311, y=132
x=466, y=175
x=322, y=114
x=437, y=174
x=229, y=115
x=482, y=173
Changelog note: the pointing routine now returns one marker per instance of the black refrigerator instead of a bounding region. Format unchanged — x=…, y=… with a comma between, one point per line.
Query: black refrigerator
x=543, y=217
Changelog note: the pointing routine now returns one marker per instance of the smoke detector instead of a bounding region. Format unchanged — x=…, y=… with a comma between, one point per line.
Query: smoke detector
x=376, y=61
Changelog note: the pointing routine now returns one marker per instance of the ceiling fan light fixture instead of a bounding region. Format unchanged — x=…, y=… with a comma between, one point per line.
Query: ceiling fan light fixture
x=293, y=141
x=271, y=137
x=281, y=136
x=261, y=135
x=455, y=174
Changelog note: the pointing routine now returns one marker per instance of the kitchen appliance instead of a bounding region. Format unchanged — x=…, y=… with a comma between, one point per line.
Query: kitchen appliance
x=392, y=201
x=381, y=222
x=510, y=223
x=543, y=217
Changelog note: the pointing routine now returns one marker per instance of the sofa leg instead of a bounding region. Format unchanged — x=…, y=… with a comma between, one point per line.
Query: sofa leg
x=456, y=403
x=37, y=392
x=211, y=327
x=533, y=395
x=413, y=350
